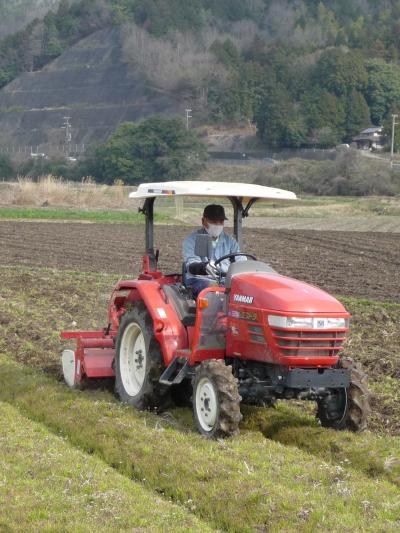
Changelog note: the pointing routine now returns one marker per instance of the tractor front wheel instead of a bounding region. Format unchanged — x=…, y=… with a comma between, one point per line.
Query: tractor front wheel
x=139, y=363
x=216, y=400
x=347, y=408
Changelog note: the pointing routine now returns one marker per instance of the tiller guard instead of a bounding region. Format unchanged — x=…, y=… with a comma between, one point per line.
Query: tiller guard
x=92, y=358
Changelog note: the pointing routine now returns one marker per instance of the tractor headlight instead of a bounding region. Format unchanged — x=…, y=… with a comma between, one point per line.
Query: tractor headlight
x=290, y=321
x=300, y=322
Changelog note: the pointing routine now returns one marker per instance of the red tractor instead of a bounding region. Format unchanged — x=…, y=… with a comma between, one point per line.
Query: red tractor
x=256, y=336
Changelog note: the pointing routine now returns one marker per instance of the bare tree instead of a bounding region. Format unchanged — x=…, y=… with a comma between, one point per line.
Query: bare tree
x=179, y=60
x=16, y=14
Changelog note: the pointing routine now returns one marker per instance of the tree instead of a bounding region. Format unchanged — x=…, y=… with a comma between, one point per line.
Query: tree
x=273, y=116
x=244, y=92
x=233, y=10
x=65, y=20
x=358, y=32
x=156, y=149
x=295, y=131
x=325, y=116
x=162, y=16
x=328, y=23
x=52, y=46
x=340, y=72
x=357, y=114
x=226, y=52
x=383, y=88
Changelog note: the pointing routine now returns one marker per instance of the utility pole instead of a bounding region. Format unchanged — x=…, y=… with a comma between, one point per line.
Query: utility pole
x=68, y=135
x=188, y=116
x=392, y=144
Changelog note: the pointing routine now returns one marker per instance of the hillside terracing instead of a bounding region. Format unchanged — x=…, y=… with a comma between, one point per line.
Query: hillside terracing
x=89, y=83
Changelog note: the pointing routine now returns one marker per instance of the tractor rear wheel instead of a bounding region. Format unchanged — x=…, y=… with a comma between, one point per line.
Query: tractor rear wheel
x=216, y=400
x=139, y=362
x=347, y=408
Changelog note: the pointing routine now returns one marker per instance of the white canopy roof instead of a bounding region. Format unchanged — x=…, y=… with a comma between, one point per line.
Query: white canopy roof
x=210, y=188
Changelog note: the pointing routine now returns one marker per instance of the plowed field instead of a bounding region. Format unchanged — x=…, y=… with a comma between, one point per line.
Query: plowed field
x=118, y=469
x=365, y=265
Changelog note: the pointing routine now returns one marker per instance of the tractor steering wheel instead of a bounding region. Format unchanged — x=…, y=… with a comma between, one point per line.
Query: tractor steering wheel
x=232, y=256
x=216, y=271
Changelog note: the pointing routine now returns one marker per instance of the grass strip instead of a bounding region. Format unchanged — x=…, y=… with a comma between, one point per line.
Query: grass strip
x=374, y=455
x=48, y=485
x=245, y=484
x=81, y=215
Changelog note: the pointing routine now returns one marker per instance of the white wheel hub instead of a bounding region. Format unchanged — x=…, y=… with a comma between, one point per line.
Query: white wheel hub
x=206, y=404
x=133, y=359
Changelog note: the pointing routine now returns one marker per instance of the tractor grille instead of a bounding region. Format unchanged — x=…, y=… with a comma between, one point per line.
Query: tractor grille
x=256, y=333
x=309, y=343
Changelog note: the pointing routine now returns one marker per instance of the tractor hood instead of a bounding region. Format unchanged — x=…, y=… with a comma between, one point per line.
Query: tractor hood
x=279, y=293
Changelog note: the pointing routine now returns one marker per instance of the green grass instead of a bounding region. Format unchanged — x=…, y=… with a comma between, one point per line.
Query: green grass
x=374, y=455
x=48, y=485
x=305, y=207
x=293, y=424
x=331, y=206
x=68, y=214
x=166, y=210
x=244, y=484
x=13, y=109
x=369, y=304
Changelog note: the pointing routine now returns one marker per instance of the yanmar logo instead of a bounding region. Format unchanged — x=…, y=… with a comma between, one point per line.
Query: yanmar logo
x=242, y=299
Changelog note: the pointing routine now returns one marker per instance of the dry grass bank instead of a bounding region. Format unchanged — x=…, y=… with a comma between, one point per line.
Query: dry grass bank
x=55, y=192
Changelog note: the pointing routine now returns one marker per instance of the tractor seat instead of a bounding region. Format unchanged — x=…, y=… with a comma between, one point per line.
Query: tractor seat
x=240, y=267
x=182, y=302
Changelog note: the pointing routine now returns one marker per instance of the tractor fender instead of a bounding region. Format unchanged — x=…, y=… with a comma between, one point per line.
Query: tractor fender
x=168, y=329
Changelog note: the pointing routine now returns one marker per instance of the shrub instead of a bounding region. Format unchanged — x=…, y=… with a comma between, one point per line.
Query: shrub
x=6, y=169
x=156, y=149
x=350, y=174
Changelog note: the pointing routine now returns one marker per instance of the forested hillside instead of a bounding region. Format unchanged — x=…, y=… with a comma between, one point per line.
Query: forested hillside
x=305, y=72
x=15, y=14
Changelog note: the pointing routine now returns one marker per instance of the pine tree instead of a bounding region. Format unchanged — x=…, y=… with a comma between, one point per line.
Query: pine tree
x=357, y=114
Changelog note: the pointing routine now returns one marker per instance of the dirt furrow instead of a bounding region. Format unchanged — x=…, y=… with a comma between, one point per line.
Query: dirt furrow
x=372, y=250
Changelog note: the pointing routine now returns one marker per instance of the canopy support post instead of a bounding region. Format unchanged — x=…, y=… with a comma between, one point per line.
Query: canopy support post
x=251, y=202
x=148, y=211
x=237, y=218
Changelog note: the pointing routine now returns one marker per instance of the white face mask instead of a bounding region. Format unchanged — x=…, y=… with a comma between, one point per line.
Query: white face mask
x=214, y=230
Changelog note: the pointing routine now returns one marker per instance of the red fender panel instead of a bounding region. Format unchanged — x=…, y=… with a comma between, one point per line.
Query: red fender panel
x=168, y=329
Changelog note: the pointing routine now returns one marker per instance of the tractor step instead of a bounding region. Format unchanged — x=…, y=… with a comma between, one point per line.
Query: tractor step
x=176, y=372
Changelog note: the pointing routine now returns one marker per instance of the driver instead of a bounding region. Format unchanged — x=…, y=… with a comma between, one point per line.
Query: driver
x=222, y=244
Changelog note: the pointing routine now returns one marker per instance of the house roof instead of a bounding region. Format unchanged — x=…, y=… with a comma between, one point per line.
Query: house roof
x=375, y=129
